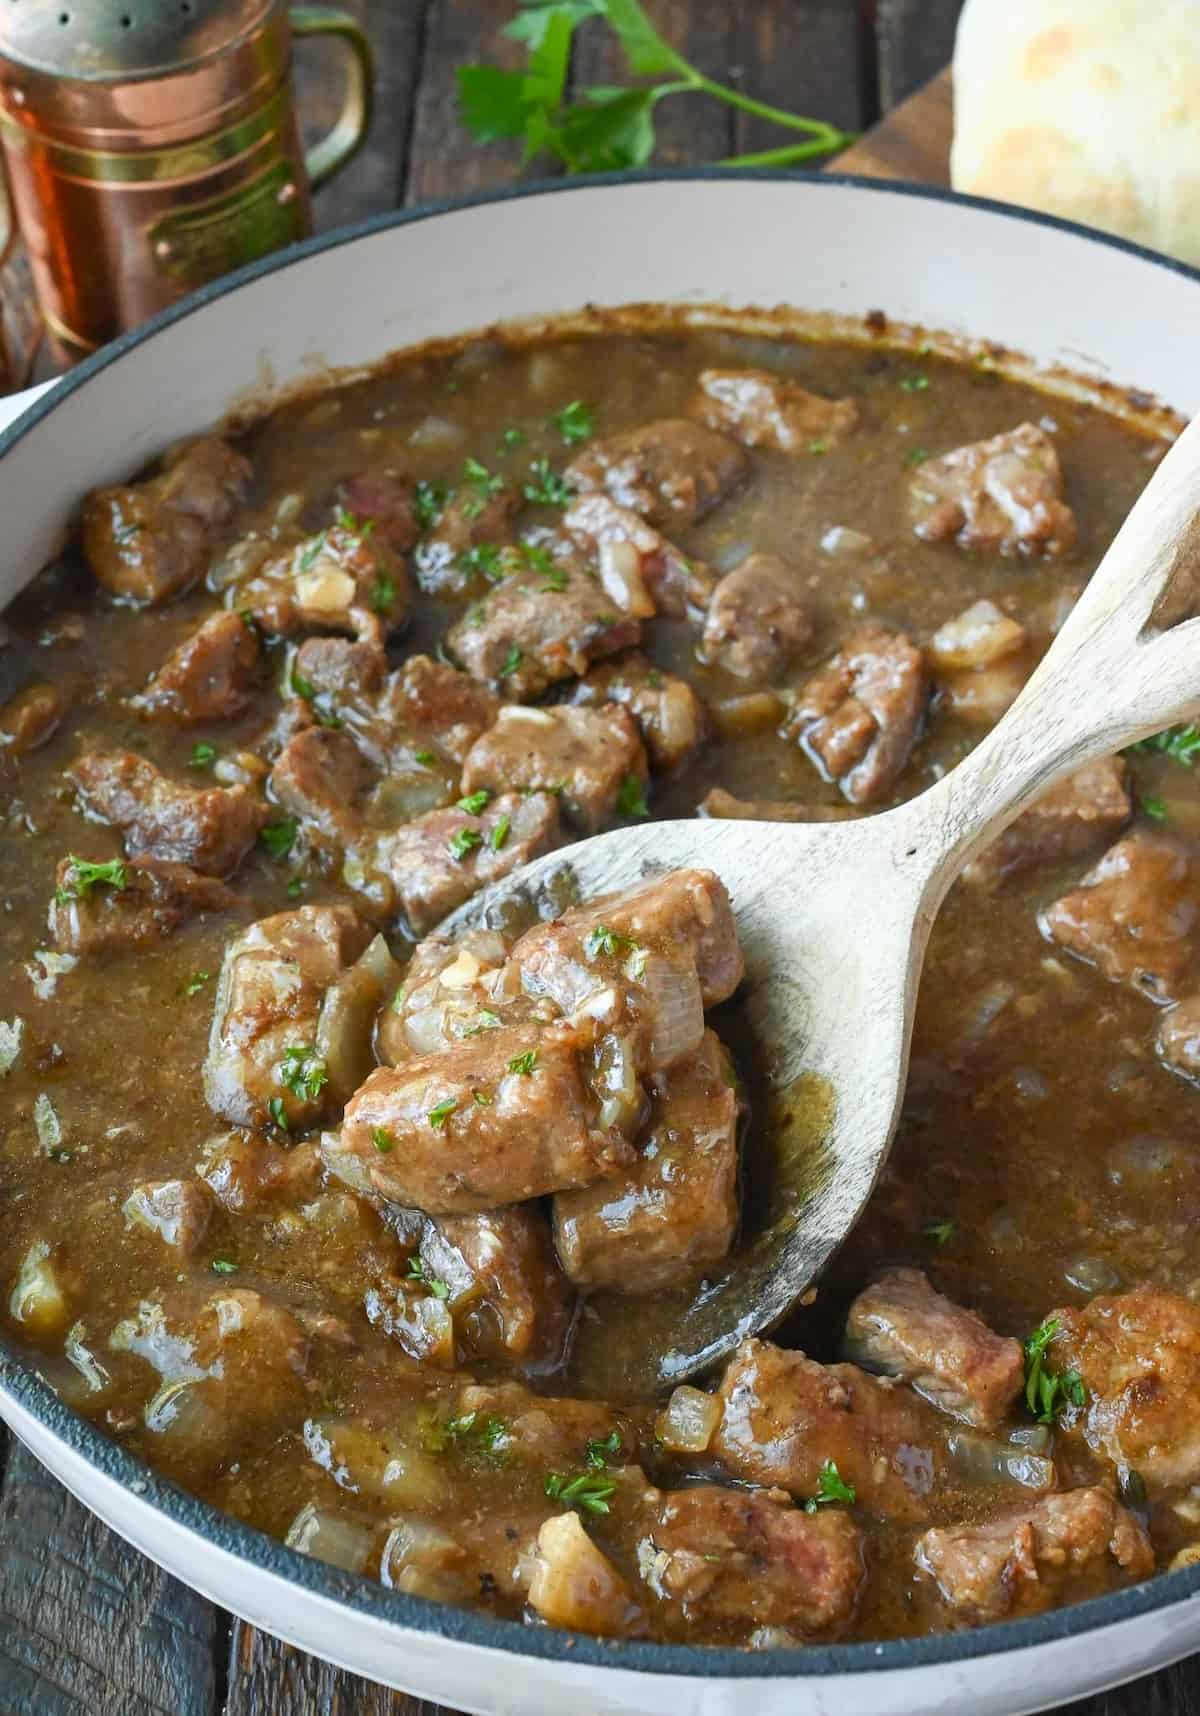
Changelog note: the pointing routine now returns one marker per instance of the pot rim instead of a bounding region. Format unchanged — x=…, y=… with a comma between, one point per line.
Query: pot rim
x=358, y=1594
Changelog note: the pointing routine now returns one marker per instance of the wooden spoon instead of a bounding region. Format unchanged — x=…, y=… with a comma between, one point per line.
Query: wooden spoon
x=834, y=919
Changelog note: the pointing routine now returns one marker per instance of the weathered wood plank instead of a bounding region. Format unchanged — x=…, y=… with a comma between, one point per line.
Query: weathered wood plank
x=915, y=40
x=690, y=128
x=1173, y=1692
x=88, y=1627
x=267, y=1678
x=443, y=161
x=913, y=142
x=806, y=58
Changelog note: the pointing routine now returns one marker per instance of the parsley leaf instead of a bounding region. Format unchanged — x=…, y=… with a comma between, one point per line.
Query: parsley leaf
x=280, y=837
x=484, y=1020
x=202, y=755
x=482, y=479
x=831, y=1487
x=915, y=456
x=383, y=593
x=196, y=982
x=484, y=558
x=425, y=758
x=603, y=940
x=480, y=1435
x=382, y=1139
x=500, y=833
x=597, y=1454
x=545, y=487
x=417, y=1272
x=914, y=383
x=303, y=1072
x=83, y=876
x=475, y=802
x=1048, y=1394
x=631, y=800
x=512, y=662
x=575, y=422
x=1180, y=744
x=524, y=1064
x=464, y=842
x=278, y=1113
x=440, y=1114
x=940, y=1232
x=1154, y=808
x=223, y=1266
x=428, y=501
x=583, y=1490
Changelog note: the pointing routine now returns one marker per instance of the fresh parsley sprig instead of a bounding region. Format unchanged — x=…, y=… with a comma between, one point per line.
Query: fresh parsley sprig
x=1049, y=1394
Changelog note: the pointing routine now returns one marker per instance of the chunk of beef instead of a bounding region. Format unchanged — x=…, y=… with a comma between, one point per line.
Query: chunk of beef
x=685, y=915
x=672, y=472
x=859, y=717
x=31, y=717
x=765, y=410
x=471, y=519
x=209, y=828
x=232, y=1377
x=676, y=1211
x=146, y=542
x=1003, y=496
x=1035, y=1555
x=154, y=900
x=209, y=677
x=679, y=587
x=1091, y=805
x=454, y=990
x=509, y=1298
x=317, y=777
x=439, y=860
x=341, y=580
x=1179, y=1037
x=574, y=1584
x=900, y=1327
x=756, y=619
x=385, y=501
x=588, y=757
x=711, y=1555
x=529, y=633
x=441, y=704
x=470, y=1129
x=1133, y=915
x=670, y=718
x=278, y=1003
x=247, y=1173
x=1138, y=1356
x=785, y=1416
x=339, y=668
x=719, y=803
x=178, y=1211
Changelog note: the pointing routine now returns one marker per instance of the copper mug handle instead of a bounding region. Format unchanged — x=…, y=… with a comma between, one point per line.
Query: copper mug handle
x=349, y=131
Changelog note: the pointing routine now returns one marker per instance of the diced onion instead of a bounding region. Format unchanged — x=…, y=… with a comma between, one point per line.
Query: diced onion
x=328, y=1537
x=46, y=1124
x=620, y=567
x=37, y=1300
x=984, y=1460
x=10, y=1044
x=839, y=539
x=982, y=694
x=425, y=1561
x=977, y=637
x=1092, y=1275
x=744, y=717
x=239, y=562
x=325, y=590
x=675, y=1006
x=688, y=1422
x=436, y=432
x=616, y=1084
x=85, y=1361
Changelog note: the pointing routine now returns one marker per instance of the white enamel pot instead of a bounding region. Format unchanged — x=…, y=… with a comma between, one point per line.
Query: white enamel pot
x=1059, y=294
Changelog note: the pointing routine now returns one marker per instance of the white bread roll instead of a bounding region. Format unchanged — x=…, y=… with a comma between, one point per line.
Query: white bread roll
x=1084, y=108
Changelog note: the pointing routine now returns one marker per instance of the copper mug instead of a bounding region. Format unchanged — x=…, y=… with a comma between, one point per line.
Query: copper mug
x=151, y=145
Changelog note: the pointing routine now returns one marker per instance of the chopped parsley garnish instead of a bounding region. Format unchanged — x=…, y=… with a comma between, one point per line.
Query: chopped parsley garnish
x=382, y=1139
x=464, y=842
x=484, y=1020
x=512, y=662
x=583, y=1490
x=500, y=833
x=203, y=754
x=398, y=998
x=481, y=1099
x=303, y=1072
x=223, y=1266
x=439, y=1115
x=309, y=554
x=83, y=877
x=1181, y=744
x=417, y=1272
x=537, y=558
x=603, y=940
x=425, y=758
x=428, y=501
x=346, y=521
x=831, y=1487
x=939, y=1232
x=280, y=837
x=575, y=422
x=124, y=534
x=383, y=593
x=631, y=800
x=545, y=487
x=1048, y=1394
x=472, y=1433
x=915, y=456
x=1155, y=808
x=302, y=687
x=295, y=888
x=914, y=383
x=513, y=437
x=554, y=580
x=597, y=1454
x=475, y=802
x=196, y=982
x=278, y=1113
x=818, y=447
x=486, y=559
x=524, y=1064
x=481, y=479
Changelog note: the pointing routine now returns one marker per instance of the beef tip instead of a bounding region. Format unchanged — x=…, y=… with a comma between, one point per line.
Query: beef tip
x=528, y=633
x=671, y=472
x=686, y=914
x=178, y=1211
x=756, y=620
x=628, y=549
x=1179, y=1037
x=509, y=1298
x=574, y=1585
x=209, y=828
x=670, y=718
x=453, y=990
x=209, y=677
x=726, y=806
x=1003, y=496
x=341, y=580
x=859, y=717
x=1138, y=1357
x=340, y=668
x=1034, y=1555
x=147, y=541
x=31, y=718
x=473, y=518
x=385, y=501
x=711, y=1555
x=1133, y=915
x=438, y=861
x=441, y=704
x=317, y=777
x=247, y=1173
x=232, y=1377
x=590, y=758
x=784, y=1416
x=900, y=1327
x=765, y=410
x=153, y=899
x=470, y=1129
x=982, y=658
x=676, y=1211
x=1091, y=805
x=276, y=1008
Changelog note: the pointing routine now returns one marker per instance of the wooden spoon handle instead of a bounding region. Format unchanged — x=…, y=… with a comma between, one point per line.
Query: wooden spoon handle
x=1125, y=664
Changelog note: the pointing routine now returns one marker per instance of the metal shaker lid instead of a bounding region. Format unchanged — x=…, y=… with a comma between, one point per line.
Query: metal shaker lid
x=100, y=41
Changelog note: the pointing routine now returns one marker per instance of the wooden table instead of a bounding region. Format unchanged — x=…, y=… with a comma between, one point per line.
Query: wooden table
x=87, y=1626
